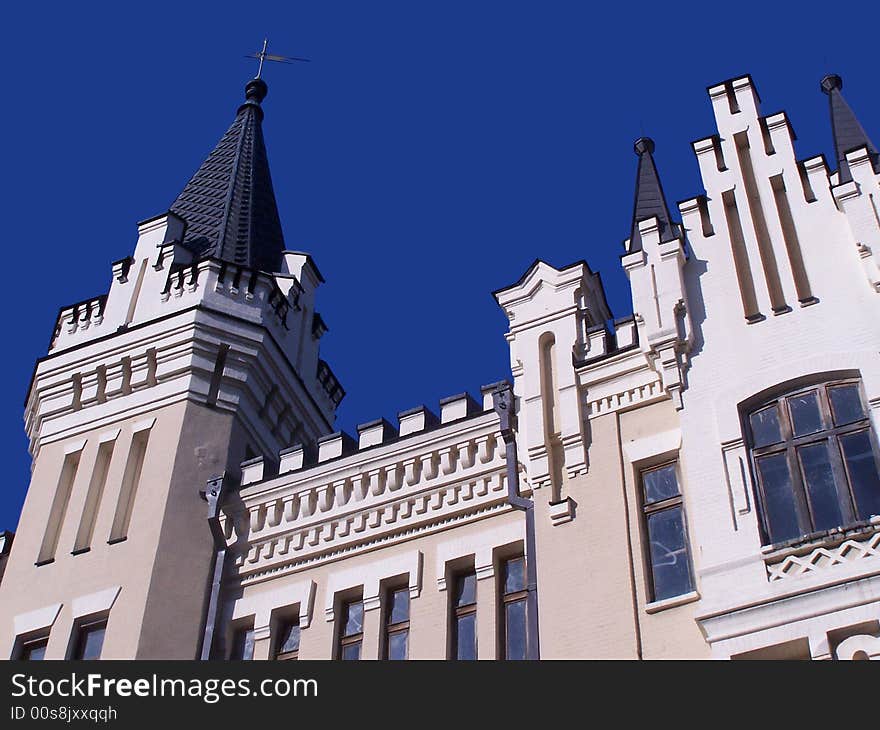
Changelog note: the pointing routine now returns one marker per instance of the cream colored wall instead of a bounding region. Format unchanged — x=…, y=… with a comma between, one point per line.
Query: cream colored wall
x=428, y=612
x=672, y=632
x=163, y=565
x=586, y=605
x=128, y=564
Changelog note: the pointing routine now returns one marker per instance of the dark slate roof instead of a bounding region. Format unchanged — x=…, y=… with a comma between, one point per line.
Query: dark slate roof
x=229, y=204
x=650, y=201
x=845, y=127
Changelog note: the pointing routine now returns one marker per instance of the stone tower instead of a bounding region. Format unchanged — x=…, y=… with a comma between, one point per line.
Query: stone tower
x=202, y=354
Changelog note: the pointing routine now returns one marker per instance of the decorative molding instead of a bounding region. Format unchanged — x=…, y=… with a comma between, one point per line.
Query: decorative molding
x=98, y=602
x=825, y=557
x=37, y=620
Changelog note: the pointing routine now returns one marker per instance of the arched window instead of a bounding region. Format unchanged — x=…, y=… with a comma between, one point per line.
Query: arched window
x=815, y=460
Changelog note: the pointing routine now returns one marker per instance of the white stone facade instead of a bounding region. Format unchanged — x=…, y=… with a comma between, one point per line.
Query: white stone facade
x=191, y=368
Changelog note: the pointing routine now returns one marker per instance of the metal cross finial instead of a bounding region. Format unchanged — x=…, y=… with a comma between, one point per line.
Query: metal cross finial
x=263, y=55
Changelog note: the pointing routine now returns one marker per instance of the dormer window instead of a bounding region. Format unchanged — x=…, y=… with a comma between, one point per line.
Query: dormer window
x=815, y=460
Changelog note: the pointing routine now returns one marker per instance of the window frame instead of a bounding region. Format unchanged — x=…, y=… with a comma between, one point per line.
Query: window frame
x=279, y=655
x=513, y=597
x=663, y=505
x=80, y=629
x=393, y=629
x=241, y=630
x=458, y=612
x=789, y=446
x=25, y=643
x=344, y=640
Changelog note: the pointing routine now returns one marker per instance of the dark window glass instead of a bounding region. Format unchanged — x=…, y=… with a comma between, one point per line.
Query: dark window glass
x=660, y=484
x=397, y=645
x=243, y=644
x=765, y=426
x=670, y=562
x=861, y=466
x=90, y=641
x=821, y=490
x=515, y=624
x=464, y=617
x=288, y=641
x=514, y=575
x=354, y=618
x=822, y=472
x=846, y=404
x=34, y=650
x=399, y=608
x=351, y=630
x=671, y=573
x=397, y=623
x=466, y=636
x=805, y=415
x=779, y=501
x=514, y=608
x=466, y=589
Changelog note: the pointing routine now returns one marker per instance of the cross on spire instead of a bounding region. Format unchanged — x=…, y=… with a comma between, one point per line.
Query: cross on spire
x=264, y=55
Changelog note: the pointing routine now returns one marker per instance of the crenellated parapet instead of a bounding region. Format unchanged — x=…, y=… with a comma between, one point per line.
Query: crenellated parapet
x=341, y=496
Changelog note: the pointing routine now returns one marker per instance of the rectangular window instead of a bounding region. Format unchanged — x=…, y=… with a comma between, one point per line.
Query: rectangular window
x=288, y=640
x=351, y=630
x=89, y=640
x=243, y=644
x=128, y=489
x=464, y=617
x=59, y=508
x=668, y=551
x=33, y=649
x=396, y=643
x=513, y=606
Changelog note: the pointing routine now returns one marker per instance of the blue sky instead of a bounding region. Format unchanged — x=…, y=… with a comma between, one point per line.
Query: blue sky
x=428, y=153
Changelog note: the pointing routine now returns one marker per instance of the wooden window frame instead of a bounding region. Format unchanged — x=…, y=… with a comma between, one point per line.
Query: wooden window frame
x=459, y=612
x=401, y=627
x=80, y=630
x=514, y=597
x=287, y=655
x=357, y=638
x=25, y=645
x=663, y=505
x=789, y=446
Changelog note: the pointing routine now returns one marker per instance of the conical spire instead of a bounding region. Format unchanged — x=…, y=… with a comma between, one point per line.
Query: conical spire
x=229, y=204
x=650, y=201
x=845, y=127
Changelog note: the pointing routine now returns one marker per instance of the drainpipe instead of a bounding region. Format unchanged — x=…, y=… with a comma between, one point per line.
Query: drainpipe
x=214, y=494
x=503, y=402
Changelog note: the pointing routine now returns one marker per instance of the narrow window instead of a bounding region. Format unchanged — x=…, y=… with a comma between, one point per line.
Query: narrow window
x=93, y=498
x=464, y=618
x=242, y=644
x=89, y=640
x=397, y=624
x=288, y=640
x=815, y=460
x=59, y=508
x=33, y=649
x=663, y=511
x=128, y=489
x=351, y=630
x=514, y=606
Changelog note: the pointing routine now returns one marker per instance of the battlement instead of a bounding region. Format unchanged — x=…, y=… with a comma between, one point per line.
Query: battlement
x=372, y=434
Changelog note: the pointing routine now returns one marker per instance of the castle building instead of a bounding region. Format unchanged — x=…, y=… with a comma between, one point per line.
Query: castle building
x=698, y=479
